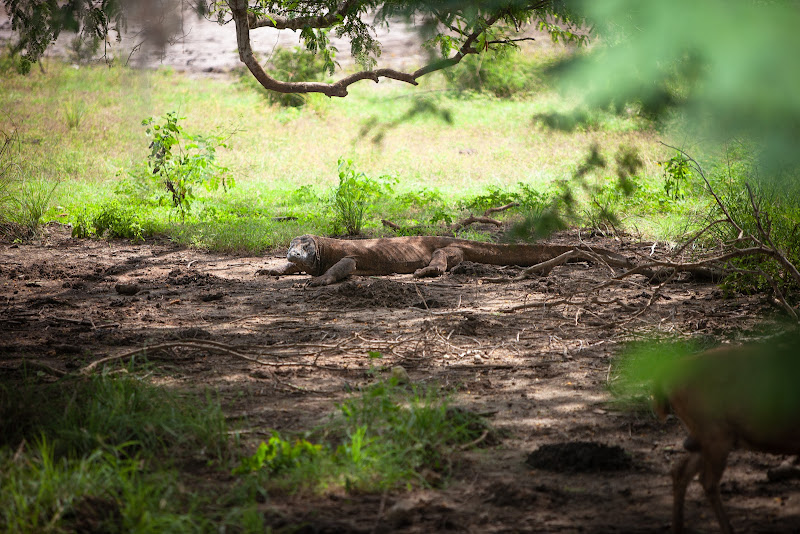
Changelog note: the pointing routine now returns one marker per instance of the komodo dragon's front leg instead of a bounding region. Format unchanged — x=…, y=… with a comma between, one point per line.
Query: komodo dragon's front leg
x=340, y=270
x=441, y=260
x=286, y=268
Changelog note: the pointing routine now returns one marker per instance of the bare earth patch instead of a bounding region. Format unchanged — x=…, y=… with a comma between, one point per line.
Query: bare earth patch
x=541, y=372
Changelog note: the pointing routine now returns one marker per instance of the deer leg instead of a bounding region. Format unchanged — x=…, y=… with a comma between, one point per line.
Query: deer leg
x=441, y=260
x=710, y=475
x=683, y=473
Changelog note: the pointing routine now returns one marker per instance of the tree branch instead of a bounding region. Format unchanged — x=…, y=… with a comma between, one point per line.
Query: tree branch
x=244, y=21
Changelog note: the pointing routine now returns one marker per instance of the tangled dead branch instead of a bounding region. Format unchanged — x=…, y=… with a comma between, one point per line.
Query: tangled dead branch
x=662, y=271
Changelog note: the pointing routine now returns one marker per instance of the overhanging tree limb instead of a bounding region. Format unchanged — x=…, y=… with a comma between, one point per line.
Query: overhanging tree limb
x=244, y=21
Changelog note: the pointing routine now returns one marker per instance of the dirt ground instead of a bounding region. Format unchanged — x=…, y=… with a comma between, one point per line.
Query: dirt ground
x=541, y=373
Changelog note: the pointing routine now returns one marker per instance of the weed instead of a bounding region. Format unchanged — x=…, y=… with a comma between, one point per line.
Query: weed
x=29, y=201
x=385, y=436
x=351, y=197
x=74, y=110
x=114, y=219
x=677, y=176
x=183, y=161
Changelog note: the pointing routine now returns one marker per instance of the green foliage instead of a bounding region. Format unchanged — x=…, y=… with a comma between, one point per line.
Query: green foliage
x=503, y=74
x=82, y=50
x=355, y=192
x=743, y=190
x=528, y=198
x=677, y=175
x=114, y=219
x=278, y=455
x=689, y=57
x=385, y=436
x=183, y=161
x=38, y=23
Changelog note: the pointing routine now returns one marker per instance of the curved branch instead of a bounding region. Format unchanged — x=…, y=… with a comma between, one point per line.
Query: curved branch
x=243, y=22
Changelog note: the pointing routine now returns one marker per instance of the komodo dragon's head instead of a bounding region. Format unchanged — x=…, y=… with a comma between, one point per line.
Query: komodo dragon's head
x=303, y=251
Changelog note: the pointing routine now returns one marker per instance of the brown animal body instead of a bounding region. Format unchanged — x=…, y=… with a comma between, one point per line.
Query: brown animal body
x=330, y=260
x=734, y=397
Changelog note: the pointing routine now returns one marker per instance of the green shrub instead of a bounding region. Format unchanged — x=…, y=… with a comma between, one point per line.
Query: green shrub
x=352, y=196
x=182, y=161
x=113, y=219
x=778, y=203
x=504, y=74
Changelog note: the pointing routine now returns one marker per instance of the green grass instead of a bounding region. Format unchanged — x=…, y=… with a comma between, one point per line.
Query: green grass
x=430, y=138
x=114, y=453
x=109, y=453
x=388, y=436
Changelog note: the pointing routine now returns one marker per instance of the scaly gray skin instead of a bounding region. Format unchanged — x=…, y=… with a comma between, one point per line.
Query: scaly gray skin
x=331, y=260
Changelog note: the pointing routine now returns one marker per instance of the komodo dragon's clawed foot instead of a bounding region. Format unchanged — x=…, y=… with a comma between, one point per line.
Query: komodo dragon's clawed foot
x=428, y=272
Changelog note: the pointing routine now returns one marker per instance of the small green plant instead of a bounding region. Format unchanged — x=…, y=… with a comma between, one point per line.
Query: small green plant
x=355, y=191
x=114, y=220
x=677, y=176
x=182, y=161
x=291, y=65
x=385, y=436
x=74, y=110
x=278, y=454
x=30, y=200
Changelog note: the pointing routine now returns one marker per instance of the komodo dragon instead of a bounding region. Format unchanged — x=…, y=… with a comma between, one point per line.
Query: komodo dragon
x=330, y=260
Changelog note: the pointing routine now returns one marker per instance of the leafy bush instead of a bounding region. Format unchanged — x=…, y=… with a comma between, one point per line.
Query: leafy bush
x=183, y=161
x=118, y=220
x=504, y=74
x=778, y=203
x=352, y=196
x=677, y=176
